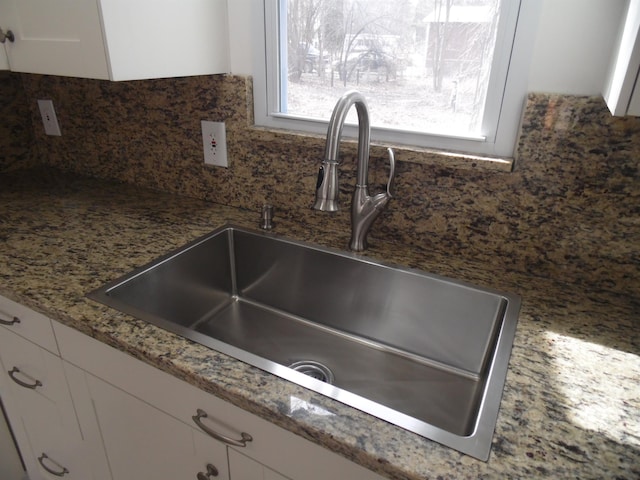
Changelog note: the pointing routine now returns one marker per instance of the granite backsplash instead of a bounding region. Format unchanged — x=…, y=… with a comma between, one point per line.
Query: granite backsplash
x=570, y=209
x=16, y=128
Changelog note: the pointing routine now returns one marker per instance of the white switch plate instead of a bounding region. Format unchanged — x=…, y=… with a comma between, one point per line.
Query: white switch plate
x=49, y=119
x=214, y=143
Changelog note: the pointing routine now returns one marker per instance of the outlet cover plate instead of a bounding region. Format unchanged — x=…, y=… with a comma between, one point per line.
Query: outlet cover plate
x=214, y=143
x=49, y=118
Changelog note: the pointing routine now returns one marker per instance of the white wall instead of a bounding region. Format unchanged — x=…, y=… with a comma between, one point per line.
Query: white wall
x=572, y=52
x=574, y=45
x=240, y=32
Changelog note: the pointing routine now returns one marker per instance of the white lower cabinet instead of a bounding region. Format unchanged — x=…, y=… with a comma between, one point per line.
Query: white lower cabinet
x=34, y=391
x=4, y=60
x=245, y=468
x=156, y=426
x=143, y=442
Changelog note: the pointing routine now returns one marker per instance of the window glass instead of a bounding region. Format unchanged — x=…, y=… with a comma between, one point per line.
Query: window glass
x=447, y=74
x=422, y=64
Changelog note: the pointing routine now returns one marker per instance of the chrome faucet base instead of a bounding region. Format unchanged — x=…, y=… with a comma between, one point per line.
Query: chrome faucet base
x=364, y=208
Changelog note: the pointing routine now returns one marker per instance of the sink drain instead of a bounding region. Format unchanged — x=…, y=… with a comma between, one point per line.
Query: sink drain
x=314, y=370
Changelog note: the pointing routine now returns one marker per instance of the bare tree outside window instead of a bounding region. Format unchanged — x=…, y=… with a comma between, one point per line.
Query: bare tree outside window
x=422, y=64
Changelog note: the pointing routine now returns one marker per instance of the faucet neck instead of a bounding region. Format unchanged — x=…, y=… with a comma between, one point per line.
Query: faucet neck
x=334, y=132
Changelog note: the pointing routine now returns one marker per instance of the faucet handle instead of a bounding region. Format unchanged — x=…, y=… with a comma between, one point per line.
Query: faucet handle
x=392, y=172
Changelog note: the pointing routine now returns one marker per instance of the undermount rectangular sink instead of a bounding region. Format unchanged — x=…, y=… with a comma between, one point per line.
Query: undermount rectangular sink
x=421, y=351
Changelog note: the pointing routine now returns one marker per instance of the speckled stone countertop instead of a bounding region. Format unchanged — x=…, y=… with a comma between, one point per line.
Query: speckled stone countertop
x=570, y=408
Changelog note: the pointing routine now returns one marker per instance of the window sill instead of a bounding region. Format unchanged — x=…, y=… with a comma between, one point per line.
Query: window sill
x=419, y=155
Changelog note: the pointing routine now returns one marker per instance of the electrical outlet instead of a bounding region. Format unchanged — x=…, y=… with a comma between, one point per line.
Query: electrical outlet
x=49, y=119
x=214, y=142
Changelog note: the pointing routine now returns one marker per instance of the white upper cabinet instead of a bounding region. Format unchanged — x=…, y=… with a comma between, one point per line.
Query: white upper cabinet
x=165, y=38
x=117, y=39
x=57, y=38
x=622, y=90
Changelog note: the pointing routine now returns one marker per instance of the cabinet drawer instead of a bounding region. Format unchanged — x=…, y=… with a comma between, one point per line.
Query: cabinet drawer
x=32, y=371
x=29, y=324
x=34, y=390
x=53, y=446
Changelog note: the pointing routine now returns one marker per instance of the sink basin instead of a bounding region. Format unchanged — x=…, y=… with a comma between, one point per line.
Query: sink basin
x=423, y=352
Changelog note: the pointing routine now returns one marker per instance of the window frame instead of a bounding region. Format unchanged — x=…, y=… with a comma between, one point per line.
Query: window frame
x=505, y=97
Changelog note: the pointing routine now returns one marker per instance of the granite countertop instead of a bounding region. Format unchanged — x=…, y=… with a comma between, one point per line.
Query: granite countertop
x=571, y=404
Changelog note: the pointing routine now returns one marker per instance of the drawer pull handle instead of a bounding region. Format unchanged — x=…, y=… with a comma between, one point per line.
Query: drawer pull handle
x=245, y=437
x=212, y=471
x=62, y=471
x=13, y=321
x=33, y=386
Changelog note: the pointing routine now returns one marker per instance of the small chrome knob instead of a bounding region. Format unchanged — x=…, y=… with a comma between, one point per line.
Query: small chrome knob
x=7, y=36
x=212, y=471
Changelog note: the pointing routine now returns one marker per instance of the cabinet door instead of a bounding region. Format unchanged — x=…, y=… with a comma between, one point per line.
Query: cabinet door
x=4, y=25
x=242, y=467
x=57, y=38
x=35, y=393
x=281, y=450
x=165, y=38
x=143, y=442
x=117, y=39
x=27, y=323
x=4, y=61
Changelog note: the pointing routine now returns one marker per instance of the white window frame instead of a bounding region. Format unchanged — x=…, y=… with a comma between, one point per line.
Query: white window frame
x=505, y=98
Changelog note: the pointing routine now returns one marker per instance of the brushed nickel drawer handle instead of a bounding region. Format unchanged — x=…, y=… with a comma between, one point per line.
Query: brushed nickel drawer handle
x=62, y=471
x=9, y=322
x=245, y=437
x=33, y=386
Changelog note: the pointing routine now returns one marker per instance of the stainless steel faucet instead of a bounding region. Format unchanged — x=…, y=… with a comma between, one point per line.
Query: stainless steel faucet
x=364, y=208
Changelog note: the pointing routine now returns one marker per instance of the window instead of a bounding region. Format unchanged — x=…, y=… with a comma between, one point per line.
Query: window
x=446, y=74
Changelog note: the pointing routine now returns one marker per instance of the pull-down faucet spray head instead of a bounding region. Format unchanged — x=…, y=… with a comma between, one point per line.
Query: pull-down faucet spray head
x=327, y=187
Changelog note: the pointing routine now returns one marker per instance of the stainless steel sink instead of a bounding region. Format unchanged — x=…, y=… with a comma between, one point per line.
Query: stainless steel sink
x=424, y=352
